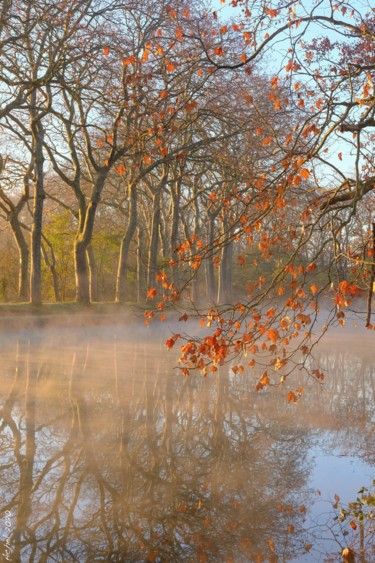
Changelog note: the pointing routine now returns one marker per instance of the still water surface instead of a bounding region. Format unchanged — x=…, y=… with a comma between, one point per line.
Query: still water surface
x=109, y=454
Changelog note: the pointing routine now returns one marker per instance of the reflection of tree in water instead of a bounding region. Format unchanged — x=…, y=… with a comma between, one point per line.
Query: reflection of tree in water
x=346, y=402
x=117, y=458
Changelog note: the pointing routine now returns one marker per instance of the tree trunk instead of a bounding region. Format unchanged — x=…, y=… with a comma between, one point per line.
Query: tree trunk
x=195, y=297
x=51, y=264
x=23, y=251
x=153, y=251
x=83, y=241
x=176, y=190
x=141, y=266
x=81, y=272
x=93, y=273
x=210, y=272
x=36, y=230
x=226, y=271
x=121, y=282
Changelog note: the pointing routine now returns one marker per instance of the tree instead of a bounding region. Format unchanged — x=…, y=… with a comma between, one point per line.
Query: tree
x=321, y=168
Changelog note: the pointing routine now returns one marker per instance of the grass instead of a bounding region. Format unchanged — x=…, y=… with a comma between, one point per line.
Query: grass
x=70, y=308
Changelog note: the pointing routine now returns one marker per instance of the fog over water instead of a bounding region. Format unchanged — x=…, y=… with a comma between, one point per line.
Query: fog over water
x=109, y=454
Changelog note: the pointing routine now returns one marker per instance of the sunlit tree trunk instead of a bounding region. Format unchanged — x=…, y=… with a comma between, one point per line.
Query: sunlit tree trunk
x=154, y=241
x=93, y=273
x=39, y=195
x=121, y=282
x=24, y=255
x=82, y=242
x=176, y=211
x=210, y=270
x=141, y=265
x=195, y=297
x=226, y=267
x=51, y=264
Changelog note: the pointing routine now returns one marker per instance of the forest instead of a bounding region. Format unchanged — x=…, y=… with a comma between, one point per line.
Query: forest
x=187, y=188
x=214, y=156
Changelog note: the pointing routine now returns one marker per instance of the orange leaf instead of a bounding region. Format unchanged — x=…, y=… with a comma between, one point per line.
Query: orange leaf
x=170, y=67
x=121, y=169
x=105, y=51
x=292, y=397
x=265, y=380
x=314, y=289
x=151, y=293
x=179, y=34
x=170, y=343
x=267, y=140
x=273, y=335
x=218, y=51
x=304, y=173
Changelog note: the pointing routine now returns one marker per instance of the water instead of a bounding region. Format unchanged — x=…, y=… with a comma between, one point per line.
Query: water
x=109, y=454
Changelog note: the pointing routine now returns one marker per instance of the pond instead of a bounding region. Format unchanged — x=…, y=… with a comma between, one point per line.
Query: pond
x=109, y=454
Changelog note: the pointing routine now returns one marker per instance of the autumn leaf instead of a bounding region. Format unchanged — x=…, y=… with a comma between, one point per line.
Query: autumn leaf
x=314, y=289
x=275, y=82
x=121, y=169
x=273, y=335
x=348, y=555
x=170, y=343
x=292, y=398
x=267, y=141
x=218, y=51
x=151, y=293
x=183, y=317
x=172, y=340
x=105, y=50
x=179, y=34
x=170, y=67
x=265, y=380
x=285, y=323
x=243, y=58
x=304, y=173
